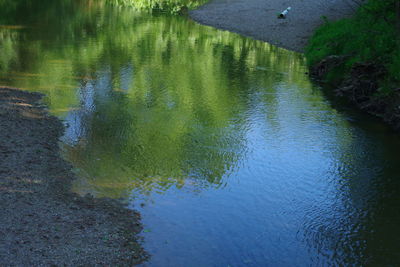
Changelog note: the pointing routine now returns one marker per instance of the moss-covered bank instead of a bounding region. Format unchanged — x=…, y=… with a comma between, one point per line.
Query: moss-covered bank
x=360, y=56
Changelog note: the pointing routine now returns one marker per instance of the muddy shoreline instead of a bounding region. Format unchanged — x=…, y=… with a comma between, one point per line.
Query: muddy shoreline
x=42, y=221
x=360, y=88
x=258, y=19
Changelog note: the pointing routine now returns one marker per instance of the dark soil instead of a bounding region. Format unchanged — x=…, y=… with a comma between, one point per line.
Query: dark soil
x=361, y=88
x=42, y=222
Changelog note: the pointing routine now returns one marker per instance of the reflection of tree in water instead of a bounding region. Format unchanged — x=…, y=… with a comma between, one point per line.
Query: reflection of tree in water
x=169, y=134
x=169, y=99
x=357, y=224
x=171, y=6
x=165, y=102
x=132, y=145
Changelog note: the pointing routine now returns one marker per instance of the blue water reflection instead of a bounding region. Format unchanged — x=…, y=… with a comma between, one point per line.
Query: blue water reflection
x=230, y=153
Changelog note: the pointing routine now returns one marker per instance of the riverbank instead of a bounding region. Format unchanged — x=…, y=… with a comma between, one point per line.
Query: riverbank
x=360, y=58
x=42, y=222
x=354, y=51
x=258, y=18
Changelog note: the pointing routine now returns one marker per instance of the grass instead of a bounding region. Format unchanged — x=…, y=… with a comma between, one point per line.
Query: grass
x=369, y=36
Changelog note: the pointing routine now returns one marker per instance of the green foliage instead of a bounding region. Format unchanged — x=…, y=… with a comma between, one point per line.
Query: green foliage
x=369, y=36
x=172, y=6
x=394, y=66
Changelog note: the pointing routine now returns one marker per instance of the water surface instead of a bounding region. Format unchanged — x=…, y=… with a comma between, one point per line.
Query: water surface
x=228, y=150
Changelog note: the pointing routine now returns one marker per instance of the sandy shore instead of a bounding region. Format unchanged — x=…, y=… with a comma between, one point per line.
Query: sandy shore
x=258, y=18
x=42, y=222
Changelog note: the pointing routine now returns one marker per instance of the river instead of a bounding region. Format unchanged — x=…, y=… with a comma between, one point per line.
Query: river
x=232, y=155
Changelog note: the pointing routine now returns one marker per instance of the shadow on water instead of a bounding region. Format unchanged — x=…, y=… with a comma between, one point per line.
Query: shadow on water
x=230, y=148
x=362, y=226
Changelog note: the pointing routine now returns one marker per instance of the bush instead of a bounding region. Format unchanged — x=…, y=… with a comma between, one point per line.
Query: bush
x=369, y=36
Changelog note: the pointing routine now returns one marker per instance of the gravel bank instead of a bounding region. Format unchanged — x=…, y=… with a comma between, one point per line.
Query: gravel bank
x=258, y=18
x=42, y=222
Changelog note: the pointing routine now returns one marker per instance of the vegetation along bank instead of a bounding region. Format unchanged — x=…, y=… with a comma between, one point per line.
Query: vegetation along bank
x=360, y=57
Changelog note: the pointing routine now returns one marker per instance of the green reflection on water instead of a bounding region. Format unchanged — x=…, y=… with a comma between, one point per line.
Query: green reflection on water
x=152, y=101
x=171, y=6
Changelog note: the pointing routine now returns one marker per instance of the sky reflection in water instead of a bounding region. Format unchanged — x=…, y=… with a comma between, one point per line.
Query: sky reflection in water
x=235, y=157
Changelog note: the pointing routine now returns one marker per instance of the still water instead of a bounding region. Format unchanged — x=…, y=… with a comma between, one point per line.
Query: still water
x=228, y=150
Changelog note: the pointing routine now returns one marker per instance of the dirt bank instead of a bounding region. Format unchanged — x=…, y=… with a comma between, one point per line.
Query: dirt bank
x=258, y=18
x=361, y=88
x=42, y=222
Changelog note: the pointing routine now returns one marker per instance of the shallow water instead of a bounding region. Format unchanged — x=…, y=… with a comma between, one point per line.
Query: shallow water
x=228, y=150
